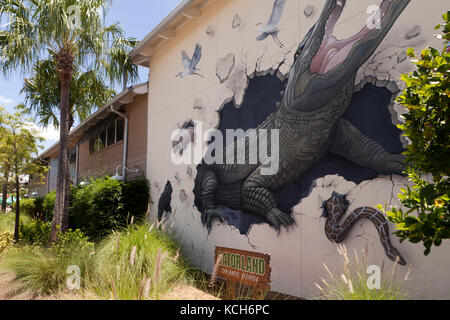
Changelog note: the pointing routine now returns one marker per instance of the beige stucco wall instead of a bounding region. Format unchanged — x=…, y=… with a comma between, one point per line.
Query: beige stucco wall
x=297, y=255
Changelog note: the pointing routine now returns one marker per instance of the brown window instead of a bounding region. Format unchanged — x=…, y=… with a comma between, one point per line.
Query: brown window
x=119, y=130
x=112, y=135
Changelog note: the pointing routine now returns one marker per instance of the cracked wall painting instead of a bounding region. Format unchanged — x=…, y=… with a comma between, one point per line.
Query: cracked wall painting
x=324, y=128
x=323, y=101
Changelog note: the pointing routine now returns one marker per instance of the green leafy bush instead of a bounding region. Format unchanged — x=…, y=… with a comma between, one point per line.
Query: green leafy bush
x=48, y=205
x=427, y=125
x=8, y=221
x=97, y=208
x=27, y=206
x=33, y=207
x=136, y=197
x=107, y=204
x=71, y=240
x=6, y=241
x=36, y=233
x=103, y=205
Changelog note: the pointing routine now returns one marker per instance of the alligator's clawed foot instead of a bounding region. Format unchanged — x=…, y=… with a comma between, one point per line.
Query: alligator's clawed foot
x=399, y=164
x=278, y=218
x=208, y=216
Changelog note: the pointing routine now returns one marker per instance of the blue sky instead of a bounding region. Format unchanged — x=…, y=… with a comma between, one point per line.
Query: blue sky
x=137, y=17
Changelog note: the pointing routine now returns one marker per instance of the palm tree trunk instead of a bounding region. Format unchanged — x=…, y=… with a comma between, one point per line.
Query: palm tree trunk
x=61, y=215
x=125, y=80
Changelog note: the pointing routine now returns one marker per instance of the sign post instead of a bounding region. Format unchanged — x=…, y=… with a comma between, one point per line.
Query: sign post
x=243, y=267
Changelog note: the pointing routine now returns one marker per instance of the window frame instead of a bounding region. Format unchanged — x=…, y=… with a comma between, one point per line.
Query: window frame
x=94, y=146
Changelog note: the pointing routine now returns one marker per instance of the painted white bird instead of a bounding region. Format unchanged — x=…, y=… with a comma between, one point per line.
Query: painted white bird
x=190, y=65
x=271, y=28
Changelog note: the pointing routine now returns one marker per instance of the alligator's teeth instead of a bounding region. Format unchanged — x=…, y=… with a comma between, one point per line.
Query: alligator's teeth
x=339, y=3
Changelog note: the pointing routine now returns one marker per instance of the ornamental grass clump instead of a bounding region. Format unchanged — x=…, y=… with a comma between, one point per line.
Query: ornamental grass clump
x=355, y=280
x=140, y=262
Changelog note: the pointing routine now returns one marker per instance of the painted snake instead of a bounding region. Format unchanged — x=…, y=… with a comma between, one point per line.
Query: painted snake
x=335, y=207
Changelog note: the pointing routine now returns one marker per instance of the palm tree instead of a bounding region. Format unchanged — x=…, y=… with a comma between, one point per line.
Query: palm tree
x=42, y=94
x=118, y=65
x=71, y=33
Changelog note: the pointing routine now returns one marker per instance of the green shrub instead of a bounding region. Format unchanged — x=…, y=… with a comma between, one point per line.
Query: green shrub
x=107, y=204
x=8, y=220
x=48, y=205
x=426, y=218
x=103, y=205
x=71, y=240
x=97, y=208
x=27, y=206
x=38, y=213
x=6, y=241
x=136, y=196
x=36, y=233
x=33, y=208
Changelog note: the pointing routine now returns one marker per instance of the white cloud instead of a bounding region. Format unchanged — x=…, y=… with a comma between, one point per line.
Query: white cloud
x=6, y=102
x=50, y=134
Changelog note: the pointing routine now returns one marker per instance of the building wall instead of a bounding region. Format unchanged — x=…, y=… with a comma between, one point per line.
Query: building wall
x=230, y=48
x=106, y=160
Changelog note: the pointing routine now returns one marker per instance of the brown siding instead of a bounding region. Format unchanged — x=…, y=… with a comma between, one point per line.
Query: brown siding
x=106, y=161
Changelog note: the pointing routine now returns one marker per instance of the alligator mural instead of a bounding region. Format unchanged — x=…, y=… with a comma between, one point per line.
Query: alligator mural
x=310, y=123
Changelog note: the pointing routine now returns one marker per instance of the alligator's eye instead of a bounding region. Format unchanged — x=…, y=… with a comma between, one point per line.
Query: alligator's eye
x=297, y=54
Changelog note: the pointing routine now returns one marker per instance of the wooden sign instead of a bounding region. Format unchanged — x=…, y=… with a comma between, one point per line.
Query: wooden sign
x=245, y=267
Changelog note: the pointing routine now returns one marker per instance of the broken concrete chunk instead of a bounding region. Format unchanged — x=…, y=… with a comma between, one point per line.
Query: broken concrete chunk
x=414, y=32
x=198, y=104
x=224, y=67
x=309, y=10
x=402, y=57
x=210, y=31
x=183, y=196
x=237, y=21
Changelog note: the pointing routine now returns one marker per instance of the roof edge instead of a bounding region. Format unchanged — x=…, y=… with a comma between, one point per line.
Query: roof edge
x=188, y=9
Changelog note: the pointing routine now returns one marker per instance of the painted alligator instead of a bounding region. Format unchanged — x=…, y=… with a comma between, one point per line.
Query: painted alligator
x=309, y=120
